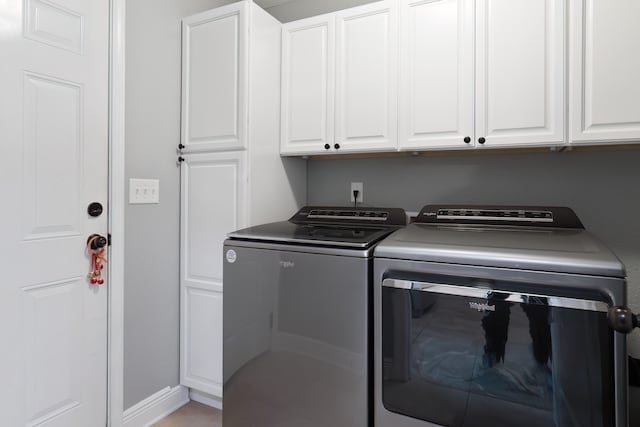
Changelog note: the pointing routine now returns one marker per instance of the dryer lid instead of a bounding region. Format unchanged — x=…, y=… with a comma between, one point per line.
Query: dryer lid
x=523, y=244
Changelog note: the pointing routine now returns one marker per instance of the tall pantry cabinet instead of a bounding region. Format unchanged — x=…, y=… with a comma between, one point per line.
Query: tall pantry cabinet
x=232, y=175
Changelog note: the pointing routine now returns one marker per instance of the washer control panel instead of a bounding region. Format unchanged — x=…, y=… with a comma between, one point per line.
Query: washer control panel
x=368, y=215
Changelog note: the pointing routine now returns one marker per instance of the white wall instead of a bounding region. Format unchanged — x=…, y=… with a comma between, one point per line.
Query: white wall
x=153, y=46
x=601, y=186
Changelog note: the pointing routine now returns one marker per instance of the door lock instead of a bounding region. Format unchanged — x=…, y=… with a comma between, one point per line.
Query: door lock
x=96, y=241
x=95, y=209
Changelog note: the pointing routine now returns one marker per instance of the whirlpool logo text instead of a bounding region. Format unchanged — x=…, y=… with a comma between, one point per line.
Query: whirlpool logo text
x=287, y=264
x=481, y=307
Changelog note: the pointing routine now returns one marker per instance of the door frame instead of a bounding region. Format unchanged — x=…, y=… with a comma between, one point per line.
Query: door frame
x=116, y=203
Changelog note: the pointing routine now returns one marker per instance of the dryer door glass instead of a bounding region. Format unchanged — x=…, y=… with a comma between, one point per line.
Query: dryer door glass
x=458, y=356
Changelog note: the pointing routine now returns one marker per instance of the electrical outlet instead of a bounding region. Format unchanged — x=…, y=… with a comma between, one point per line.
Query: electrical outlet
x=356, y=186
x=144, y=191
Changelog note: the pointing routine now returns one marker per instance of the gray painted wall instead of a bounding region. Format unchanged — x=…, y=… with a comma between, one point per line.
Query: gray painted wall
x=151, y=323
x=602, y=187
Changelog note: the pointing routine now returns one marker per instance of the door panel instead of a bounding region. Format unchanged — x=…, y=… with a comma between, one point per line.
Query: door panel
x=436, y=74
x=295, y=339
x=214, y=79
x=604, y=82
x=213, y=203
x=308, y=85
x=52, y=130
x=53, y=122
x=459, y=360
x=54, y=24
x=53, y=319
x=366, y=87
x=520, y=72
x=203, y=339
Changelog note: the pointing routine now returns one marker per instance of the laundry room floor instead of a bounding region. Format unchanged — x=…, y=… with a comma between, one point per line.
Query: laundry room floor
x=193, y=414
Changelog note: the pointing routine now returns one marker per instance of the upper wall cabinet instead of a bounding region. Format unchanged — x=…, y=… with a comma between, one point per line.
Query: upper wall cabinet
x=214, y=84
x=605, y=71
x=339, y=81
x=366, y=80
x=436, y=74
x=308, y=85
x=519, y=72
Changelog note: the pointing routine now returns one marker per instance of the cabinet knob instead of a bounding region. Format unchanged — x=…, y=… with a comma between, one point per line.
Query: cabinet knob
x=481, y=140
x=181, y=146
x=327, y=146
x=467, y=139
x=336, y=146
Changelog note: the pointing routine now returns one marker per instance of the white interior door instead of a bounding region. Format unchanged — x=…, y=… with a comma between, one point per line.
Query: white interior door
x=53, y=145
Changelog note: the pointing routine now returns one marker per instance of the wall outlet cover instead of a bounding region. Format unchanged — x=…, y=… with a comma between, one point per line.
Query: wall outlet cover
x=360, y=188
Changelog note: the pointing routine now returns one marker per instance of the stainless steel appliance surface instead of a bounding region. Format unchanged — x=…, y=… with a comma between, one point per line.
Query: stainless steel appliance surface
x=490, y=316
x=297, y=318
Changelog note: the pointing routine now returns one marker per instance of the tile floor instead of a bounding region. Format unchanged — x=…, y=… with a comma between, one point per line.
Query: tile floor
x=193, y=414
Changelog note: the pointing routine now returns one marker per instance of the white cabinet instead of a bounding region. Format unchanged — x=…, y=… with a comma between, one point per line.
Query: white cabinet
x=605, y=71
x=308, y=72
x=520, y=72
x=213, y=203
x=518, y=93
x=339, y=82
x=232, y=175
x=214, y=81
x=366, y=80
x=436, y=96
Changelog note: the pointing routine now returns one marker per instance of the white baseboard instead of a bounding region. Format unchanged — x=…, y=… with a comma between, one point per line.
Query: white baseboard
x=205, y=399
x=156, y=406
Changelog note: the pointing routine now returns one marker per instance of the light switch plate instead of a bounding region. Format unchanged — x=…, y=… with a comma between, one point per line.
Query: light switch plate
x=144, y=191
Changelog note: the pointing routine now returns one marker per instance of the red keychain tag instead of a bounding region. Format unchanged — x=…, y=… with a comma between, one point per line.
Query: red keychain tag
x=98, y=260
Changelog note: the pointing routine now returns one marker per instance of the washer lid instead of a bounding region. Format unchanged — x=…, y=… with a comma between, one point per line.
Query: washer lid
x=345, y=227
x=564, y=250
x=314, y=234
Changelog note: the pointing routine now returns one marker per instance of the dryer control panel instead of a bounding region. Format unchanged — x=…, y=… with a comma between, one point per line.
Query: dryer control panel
x=558, y=217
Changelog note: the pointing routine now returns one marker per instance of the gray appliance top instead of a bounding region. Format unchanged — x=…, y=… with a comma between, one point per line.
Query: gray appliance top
x=539, y=244
x=344, y=227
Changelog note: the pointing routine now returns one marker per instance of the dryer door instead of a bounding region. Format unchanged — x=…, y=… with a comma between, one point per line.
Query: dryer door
x=466, y=356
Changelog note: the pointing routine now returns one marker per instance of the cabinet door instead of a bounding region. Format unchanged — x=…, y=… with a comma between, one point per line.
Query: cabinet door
x=436, y=74
x=213, y=204
x=366, y=88
x=520, y=72
x=308, y=86
x=214, y=79
x=605, y=71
